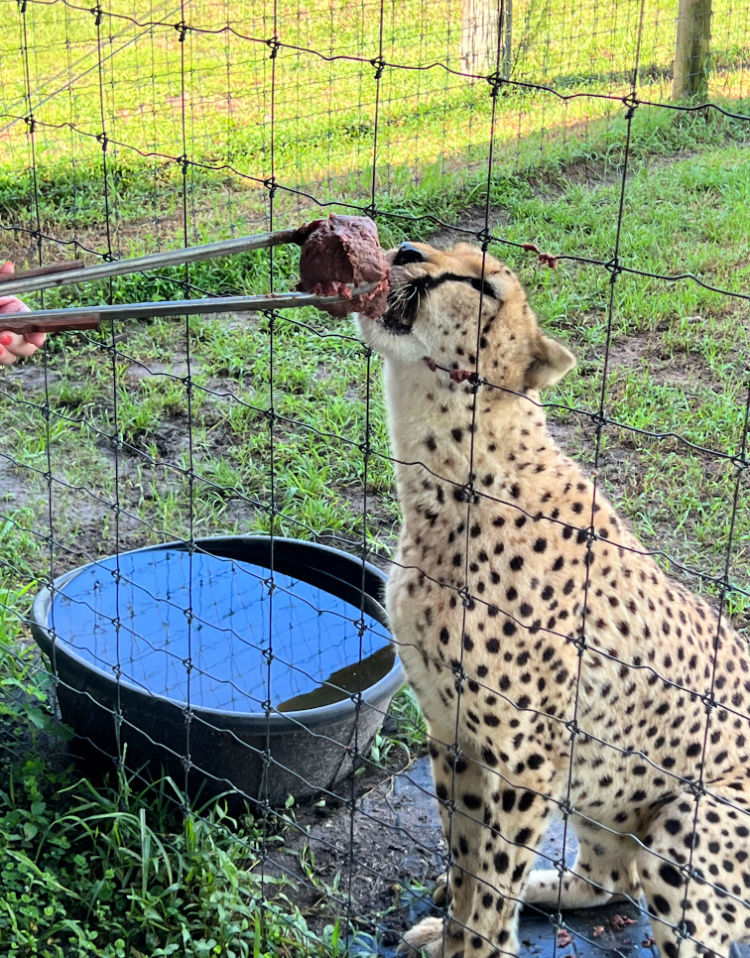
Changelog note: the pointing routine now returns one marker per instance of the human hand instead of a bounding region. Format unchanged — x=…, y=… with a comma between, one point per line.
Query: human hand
x=15, y=345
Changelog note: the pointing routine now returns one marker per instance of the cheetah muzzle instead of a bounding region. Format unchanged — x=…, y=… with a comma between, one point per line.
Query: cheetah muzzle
x=523, y=608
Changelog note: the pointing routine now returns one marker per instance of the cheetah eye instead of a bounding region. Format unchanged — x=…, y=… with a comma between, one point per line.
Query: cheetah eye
x=482, y=286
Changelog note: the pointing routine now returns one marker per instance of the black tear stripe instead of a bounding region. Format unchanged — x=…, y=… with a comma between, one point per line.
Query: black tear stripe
x=400, y=319
x=426, y=284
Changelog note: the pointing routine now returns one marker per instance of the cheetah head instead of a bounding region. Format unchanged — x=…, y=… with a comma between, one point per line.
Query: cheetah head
x=461, y=312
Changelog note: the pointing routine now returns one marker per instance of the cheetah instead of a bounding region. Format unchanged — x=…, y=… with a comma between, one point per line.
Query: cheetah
x=557, y=666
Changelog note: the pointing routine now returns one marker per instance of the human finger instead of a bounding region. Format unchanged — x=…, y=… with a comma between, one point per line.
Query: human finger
x=12, y=304
x=16, y=344
x=6, y=358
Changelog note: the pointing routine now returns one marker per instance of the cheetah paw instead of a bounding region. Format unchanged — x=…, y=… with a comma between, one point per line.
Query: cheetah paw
x=426, y=938
x=440, y=895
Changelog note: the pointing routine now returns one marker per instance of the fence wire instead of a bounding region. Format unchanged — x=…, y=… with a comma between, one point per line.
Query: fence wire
x=142, y=126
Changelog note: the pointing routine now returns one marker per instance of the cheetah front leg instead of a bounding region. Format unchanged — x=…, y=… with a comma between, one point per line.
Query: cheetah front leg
x=492, y=845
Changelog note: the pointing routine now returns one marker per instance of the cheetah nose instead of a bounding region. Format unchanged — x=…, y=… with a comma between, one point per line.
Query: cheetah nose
x=408, y=254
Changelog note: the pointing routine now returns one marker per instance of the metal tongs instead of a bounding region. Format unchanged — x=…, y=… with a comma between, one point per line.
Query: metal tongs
x=78, y=317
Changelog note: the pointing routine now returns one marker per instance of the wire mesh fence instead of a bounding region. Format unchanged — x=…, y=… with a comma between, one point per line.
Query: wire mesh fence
x=560, y=674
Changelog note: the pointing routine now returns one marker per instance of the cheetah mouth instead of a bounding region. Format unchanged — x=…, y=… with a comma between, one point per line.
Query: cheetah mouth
x=401, y=311
x=405, y=298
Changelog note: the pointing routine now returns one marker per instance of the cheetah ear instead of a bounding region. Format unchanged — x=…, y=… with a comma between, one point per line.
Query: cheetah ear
x=550, y=361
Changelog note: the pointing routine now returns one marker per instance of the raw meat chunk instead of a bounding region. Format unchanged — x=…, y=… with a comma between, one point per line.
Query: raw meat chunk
x=340, y=254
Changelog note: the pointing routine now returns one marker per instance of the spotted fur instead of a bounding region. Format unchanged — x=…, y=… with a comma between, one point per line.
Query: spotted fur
x=555, y=662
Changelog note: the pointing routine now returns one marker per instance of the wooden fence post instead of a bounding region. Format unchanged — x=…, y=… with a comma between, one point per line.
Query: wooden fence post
x=692, y=49
x=507, y=38
x=479, y=36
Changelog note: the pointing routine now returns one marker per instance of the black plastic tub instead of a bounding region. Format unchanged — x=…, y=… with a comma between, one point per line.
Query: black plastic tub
x=198, y=665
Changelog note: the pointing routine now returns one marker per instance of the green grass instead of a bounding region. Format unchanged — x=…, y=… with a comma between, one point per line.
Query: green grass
x=324, y=111
x=117, y=872
x=679, y=373
x=682, y=375
x=135, y=448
